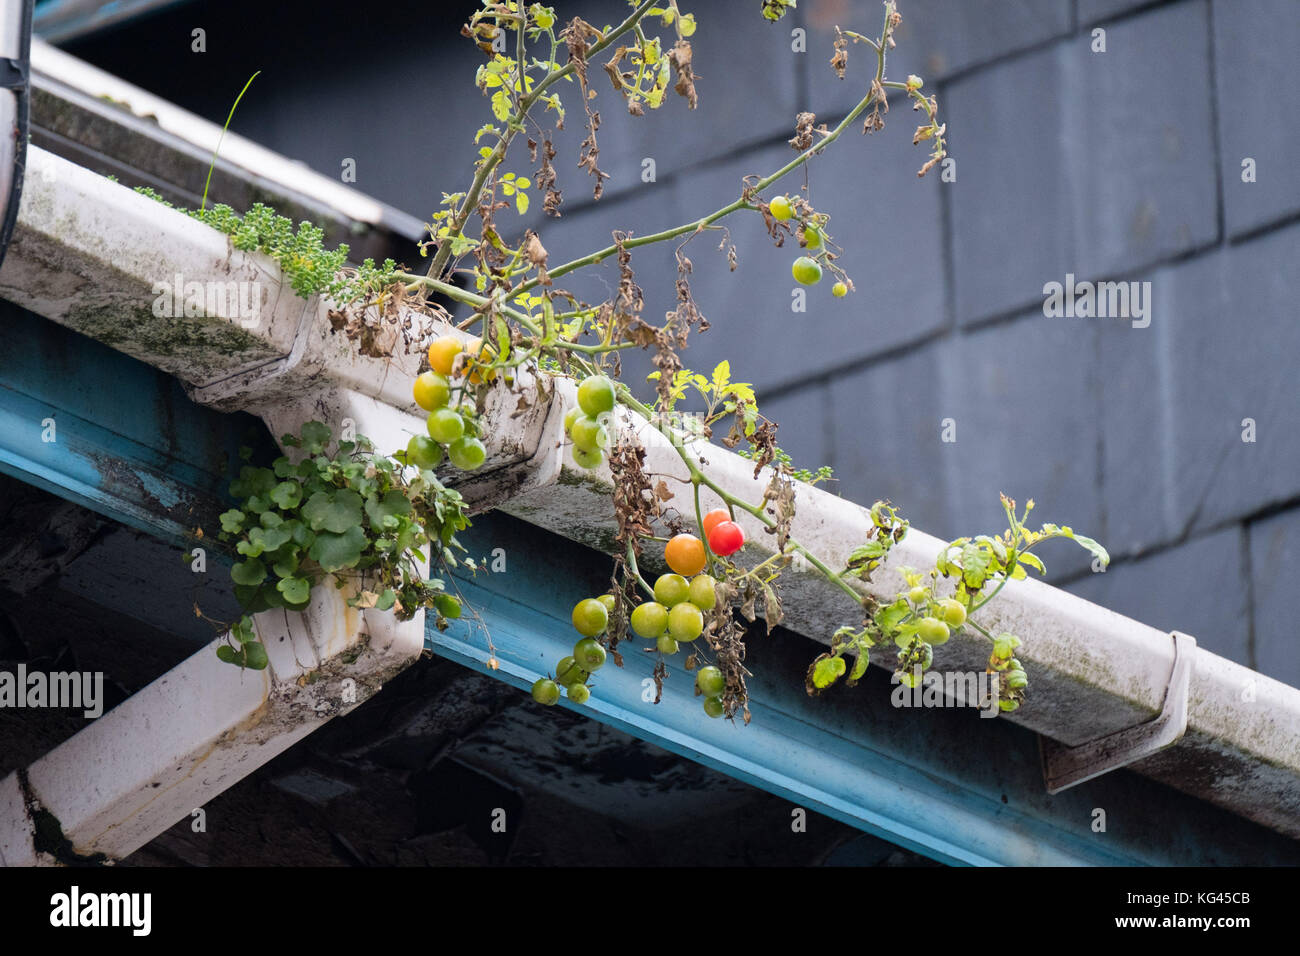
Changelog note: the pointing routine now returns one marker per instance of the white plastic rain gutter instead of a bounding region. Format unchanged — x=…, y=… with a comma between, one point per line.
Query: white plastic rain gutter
x=87, y=254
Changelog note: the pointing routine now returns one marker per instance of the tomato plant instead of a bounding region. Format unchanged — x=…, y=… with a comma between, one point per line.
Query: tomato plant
x=372, y=514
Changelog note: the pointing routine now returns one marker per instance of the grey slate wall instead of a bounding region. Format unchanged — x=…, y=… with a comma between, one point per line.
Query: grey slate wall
x=1117, y=165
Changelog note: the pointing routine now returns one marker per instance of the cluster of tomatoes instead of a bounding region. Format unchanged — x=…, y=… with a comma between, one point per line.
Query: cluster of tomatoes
x=452, y=429
x=940, y=619
x=586, y=425
x=674, y=617
x=590, y=618
x=806, y=269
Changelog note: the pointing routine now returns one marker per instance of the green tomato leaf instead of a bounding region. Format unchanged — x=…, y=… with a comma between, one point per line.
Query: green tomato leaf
x=827, y=671
x=1097, y=550
x=889, y=617
x=860, y=665
x=231, y=656
x=721, y=376
x=1031, y=559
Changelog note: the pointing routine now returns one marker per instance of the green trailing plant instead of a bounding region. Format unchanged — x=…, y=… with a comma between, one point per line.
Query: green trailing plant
x=526, y=322
x=341, y=513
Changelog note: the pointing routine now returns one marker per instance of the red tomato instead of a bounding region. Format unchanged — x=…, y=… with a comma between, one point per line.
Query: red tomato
x=726, y=538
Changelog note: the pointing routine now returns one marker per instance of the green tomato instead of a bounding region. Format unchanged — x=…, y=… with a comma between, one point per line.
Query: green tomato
x=578, y=692
x=710, y=681
x=780, y=208
x=546, y=691
x=649, y=619
x=932, y=630
x=445, y=425
x=568, y=672
x=685, y=622
x=589, y=654
x=423, y=452
x=596, y=395
x=806, y=271
x=589, y=434
x=812, y=237
x=839, y=290
x=608, y=601
x=703, y=592
x=671, y=590
x=570, y=417
x=953, y=612
x=666, y=645
x=589, y=619
x=918, y=595
x=713, y=706
x=431, y=391
x=588, y=459
x=467, y=453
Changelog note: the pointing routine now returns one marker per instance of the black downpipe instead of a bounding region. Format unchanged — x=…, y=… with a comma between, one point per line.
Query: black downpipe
x=15, y=77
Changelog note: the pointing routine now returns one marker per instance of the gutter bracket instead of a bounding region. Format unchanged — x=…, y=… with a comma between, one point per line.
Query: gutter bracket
x=1064, y=767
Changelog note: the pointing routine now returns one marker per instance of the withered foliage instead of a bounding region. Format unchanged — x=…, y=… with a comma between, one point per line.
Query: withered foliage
x=535, y=252
x=778, y=498
x=879, y=107
x=803, y=131
x=631, y=300
x=482, y=32
x=680, y=58
x=545, y=177
x=687, y=315
x=840, y=61
x=576, y=35
x=377, y=328
x=636, y=506
x=667, y=362
x=726, y=637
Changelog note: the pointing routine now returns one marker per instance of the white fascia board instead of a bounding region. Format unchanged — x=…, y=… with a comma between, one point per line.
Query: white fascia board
x=162, y=754
x=83, y=242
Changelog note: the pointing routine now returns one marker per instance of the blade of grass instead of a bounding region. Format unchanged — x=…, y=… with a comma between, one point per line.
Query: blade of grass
x=212, y=165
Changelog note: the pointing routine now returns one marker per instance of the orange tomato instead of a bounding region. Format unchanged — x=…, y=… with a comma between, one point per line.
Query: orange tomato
x=685, y=554
x=480, y=350
x=715, y=518
x=443, y=352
